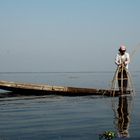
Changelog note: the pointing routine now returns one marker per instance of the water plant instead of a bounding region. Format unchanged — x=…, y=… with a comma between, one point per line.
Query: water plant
x=107, y=135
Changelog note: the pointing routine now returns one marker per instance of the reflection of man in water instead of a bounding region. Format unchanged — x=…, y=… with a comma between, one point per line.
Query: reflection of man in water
x=122, y=60
x=123, y=117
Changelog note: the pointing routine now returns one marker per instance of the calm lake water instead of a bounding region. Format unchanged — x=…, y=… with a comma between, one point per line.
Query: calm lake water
x=68, y=118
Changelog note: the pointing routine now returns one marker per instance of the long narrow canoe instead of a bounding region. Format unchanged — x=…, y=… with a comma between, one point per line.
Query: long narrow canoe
x=44, y=89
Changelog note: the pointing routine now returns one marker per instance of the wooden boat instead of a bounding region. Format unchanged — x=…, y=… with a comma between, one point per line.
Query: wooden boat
x=44, y=89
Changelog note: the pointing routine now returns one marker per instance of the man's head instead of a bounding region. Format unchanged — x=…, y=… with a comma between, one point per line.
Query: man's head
x=122, y=49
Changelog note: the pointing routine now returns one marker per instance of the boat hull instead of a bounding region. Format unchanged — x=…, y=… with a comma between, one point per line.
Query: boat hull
x=44, y=89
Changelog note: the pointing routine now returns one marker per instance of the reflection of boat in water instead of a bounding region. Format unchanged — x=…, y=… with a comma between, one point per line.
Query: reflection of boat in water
x=122, y=112
x=123, y=118
x=123, y=82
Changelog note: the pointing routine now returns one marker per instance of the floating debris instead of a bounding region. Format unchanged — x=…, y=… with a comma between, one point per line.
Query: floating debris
x=107, y=135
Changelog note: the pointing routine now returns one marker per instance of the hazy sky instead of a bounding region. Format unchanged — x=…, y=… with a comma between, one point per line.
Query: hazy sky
x=67, y=35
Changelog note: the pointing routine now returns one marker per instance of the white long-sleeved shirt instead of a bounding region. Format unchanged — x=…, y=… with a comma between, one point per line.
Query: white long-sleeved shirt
x=125, y=58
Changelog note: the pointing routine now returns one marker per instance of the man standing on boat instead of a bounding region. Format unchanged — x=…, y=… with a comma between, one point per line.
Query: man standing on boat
x=122, y=60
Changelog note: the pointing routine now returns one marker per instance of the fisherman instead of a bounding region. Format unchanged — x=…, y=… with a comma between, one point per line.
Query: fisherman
x=122, y=60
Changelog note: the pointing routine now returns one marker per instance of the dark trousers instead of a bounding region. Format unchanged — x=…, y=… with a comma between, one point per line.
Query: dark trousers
x=122, y=80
